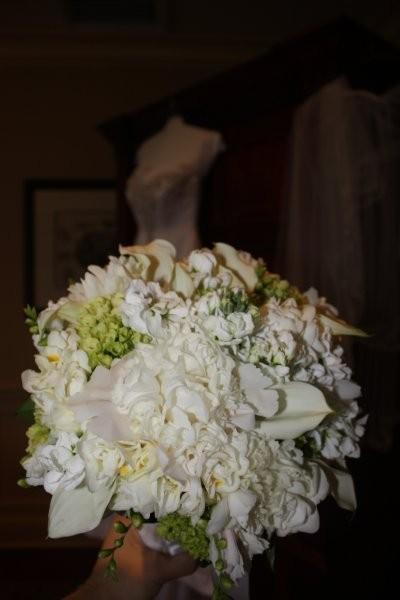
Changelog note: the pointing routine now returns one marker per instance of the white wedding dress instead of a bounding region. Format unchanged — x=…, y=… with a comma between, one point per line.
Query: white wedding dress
x=163, y=189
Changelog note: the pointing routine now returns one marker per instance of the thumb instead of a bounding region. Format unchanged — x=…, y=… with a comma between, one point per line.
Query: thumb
x=178, y=566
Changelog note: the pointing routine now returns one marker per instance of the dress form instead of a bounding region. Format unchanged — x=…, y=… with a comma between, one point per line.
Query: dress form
x=163, y=189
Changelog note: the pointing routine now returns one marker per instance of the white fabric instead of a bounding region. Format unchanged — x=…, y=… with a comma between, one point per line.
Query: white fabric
x=163, y=190
x=341, y=228
x=193, y=587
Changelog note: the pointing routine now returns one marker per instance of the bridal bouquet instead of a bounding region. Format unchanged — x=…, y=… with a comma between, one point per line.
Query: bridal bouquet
x=206, y=395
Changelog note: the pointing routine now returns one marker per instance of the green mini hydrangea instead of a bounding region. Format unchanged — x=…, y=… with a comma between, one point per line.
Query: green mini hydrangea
x=37, y=434
x=103, y=336
x=192, y=538
x=271, y=285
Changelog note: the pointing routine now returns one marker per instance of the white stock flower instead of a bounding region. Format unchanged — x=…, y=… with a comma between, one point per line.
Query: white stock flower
x=63, y=371
x=229, y=329
x=55, y=465
x=149, y=310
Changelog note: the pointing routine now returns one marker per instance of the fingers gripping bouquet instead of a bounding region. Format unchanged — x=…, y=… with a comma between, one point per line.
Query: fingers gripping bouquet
x=207, y=395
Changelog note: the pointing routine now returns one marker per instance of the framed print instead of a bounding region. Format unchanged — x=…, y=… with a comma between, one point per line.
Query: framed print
x=69, y=226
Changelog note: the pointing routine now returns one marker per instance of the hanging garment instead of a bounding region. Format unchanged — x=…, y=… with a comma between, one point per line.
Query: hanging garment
x=341, y=229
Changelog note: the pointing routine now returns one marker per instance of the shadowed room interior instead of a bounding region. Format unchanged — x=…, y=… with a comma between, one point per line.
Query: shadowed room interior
x=84, y=84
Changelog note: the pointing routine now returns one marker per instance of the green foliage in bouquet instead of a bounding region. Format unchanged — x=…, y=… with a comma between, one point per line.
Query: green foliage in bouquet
x=31, y=321
x=270, y=285
x=37, y=434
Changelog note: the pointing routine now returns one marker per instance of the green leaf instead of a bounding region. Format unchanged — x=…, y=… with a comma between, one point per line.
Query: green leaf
x=105, y=552
x=119, y=527
x=26, y=410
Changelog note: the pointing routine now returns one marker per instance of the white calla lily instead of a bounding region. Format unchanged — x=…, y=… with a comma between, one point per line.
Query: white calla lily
x=342, y=486
x=257, y=390
x=233, y=279
x=69, y=312
x=93, y=405
x=236, y=505
x=78, y=510
x=182, y=282
x=49, y=314
x=303, y=407
x=161, y=254
x=234, y=261
x=339, y=327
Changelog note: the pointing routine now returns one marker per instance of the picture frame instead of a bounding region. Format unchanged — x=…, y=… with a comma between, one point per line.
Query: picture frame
x=69, y=224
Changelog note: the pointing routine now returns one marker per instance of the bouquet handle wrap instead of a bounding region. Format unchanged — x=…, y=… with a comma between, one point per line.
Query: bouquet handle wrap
x=200, y=582
x=152, y=540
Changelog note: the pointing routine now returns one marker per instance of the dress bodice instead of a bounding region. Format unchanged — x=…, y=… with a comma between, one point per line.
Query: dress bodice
x=163, y=189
